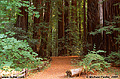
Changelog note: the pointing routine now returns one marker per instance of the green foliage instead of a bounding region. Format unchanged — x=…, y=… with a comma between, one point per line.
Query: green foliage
x=72, y=40
x=114, y=57
x=21, y=34
x=16, y=53
x=110, y=28
x=9, y=10
x=94, y=61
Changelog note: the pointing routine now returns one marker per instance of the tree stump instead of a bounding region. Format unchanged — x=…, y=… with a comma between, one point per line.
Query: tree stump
x=74, y=72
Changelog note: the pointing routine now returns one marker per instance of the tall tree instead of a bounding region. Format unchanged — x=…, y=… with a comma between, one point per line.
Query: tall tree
x=84, y=26
x=37, y=29
x=22, y=21
x=92, y=23
x=66, y=20
x=110, y=12
x=45, y=28
x=73, y=23
x=79, y=15
x=84, y=23
x=89, y=24
x=74, y=12
x=61, y=32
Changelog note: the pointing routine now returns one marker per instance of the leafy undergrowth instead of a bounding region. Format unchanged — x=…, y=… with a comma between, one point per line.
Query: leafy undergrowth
x=110, y=71
x=16, y=55
x=7, y=71
x=94, y=62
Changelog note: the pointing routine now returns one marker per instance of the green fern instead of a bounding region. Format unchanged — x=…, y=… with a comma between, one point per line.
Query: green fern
x=114, y=57
x=94, y=61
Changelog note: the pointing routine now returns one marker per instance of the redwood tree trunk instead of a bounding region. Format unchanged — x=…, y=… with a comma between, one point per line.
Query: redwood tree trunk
x=89, y=25
x=92, y=23
x=61, y=32
x=37, y=29
x=84, y=26
x=22, y=21
x=66, y=20
x=45, y=34
x=74, y=12
x=110, y=11
x=79, y=20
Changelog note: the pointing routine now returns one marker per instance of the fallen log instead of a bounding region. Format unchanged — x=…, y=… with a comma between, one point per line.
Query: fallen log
x=74, y=72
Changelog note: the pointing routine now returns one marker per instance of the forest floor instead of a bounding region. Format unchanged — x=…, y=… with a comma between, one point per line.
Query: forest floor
x=57, y=69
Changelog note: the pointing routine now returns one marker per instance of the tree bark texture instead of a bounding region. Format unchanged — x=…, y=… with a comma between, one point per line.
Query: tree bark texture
x=66, y=20
x=37, y=29
x=92, y=23
x=110, y=11
x=61, y=28
x=45, y=34
x=22, y=21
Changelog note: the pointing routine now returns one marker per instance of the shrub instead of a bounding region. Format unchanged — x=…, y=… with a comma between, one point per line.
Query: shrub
x=16, y=53
x=114, y=58
x=94, y=61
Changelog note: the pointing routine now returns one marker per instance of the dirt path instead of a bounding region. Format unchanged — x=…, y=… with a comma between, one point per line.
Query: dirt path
x=57, y=70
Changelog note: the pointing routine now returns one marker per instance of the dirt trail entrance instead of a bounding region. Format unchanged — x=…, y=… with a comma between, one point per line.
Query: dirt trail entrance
x=59, y=66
